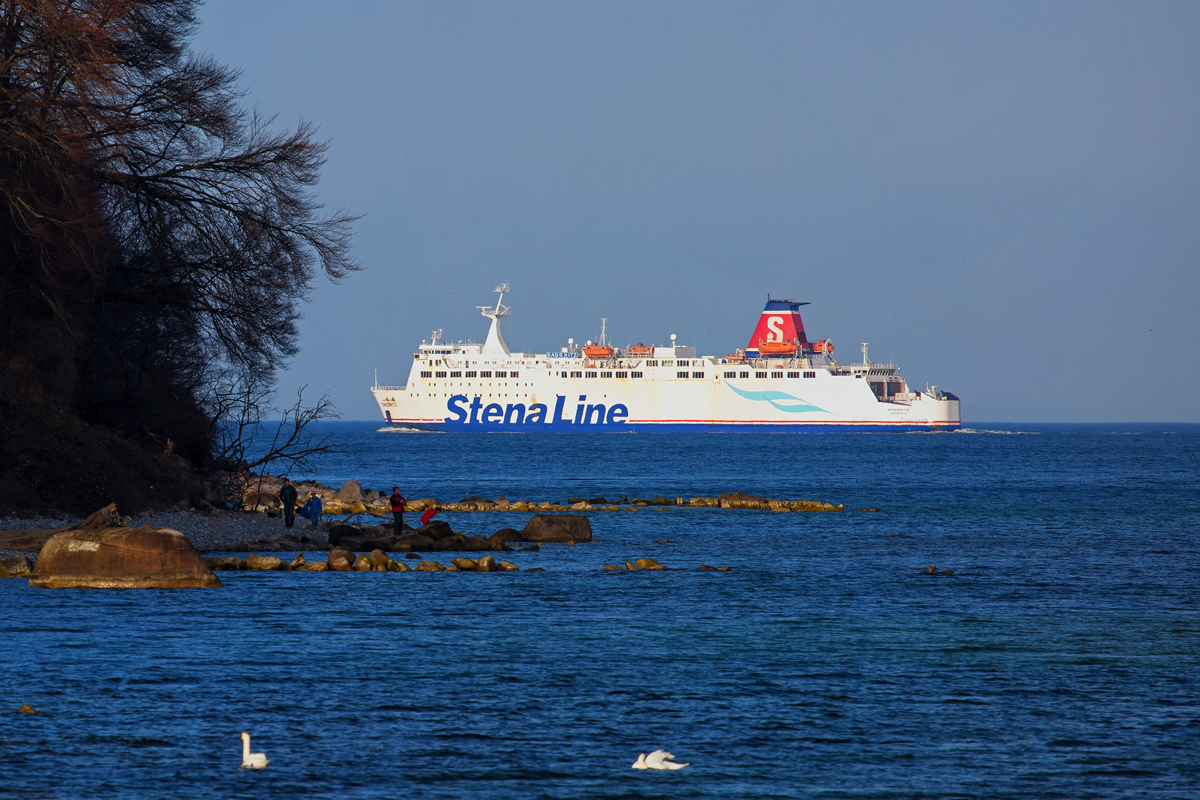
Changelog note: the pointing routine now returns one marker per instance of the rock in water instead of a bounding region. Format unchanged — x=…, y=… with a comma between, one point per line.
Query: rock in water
x=317, y=566
x=27, y=709
x=648, y=563
x=463, y=563
x=429, y=566
x=121, y=558
x=17, y=566
x=340, y=560
x=380, y=561
x=485, y=564
x=265, y=563
x=362, y=564
x=338, y=531
x=436, y=529
x=227, y=563
x=299, y=562
x=508, y=566
x=503, y=536
x=558, y=528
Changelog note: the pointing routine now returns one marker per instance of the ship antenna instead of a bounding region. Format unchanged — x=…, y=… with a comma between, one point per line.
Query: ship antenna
x=603, y=331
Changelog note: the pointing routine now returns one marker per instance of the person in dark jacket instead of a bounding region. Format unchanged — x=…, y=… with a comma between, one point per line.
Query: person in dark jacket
x=397, y=510
x=288, y=496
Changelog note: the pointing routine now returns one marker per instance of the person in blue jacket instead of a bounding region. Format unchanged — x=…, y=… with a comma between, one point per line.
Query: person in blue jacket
x=312, y=509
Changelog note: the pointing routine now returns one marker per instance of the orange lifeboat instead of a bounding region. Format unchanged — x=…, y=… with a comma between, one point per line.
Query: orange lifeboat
x=777, y=348
x=639, y=349
x=598, y=351
x=823, y=346
x=736, y=356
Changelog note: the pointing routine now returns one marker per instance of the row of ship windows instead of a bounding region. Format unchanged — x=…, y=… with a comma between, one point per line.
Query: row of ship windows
x=773, y=374
x=487, y=373
x=604, y=374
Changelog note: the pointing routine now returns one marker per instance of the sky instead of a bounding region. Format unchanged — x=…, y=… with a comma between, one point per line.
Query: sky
x=1002, y=198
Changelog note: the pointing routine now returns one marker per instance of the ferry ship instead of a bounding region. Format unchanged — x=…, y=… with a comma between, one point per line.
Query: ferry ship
x=779, y=382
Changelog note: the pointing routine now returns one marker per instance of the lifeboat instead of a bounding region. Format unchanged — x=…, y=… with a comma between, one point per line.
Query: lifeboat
x=777, y=348
x=736, y=356
x=598, y=351
x=639, y=349
x=823, y=346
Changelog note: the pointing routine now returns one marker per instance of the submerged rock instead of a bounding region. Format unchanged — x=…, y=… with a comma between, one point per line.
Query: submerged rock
x=508, y=566
x=430, y=566
x=121, y=558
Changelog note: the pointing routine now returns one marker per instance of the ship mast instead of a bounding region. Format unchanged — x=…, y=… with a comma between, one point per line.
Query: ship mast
x=495, y=345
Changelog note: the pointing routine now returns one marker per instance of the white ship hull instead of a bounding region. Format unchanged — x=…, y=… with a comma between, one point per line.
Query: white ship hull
x=485, y=387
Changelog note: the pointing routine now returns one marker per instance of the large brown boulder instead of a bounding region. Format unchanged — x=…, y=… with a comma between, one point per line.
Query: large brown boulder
x=558, y=528
x=121, y=558
x=351, y=492
x=340, y=560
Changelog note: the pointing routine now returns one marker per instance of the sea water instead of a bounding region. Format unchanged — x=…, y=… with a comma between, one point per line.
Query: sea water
x=1060, y=659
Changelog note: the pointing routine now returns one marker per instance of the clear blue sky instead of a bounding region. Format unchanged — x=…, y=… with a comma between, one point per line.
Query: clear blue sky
x=1004, y=198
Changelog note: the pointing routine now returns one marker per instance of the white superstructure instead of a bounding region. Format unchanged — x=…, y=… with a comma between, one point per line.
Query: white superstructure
x=469, y=386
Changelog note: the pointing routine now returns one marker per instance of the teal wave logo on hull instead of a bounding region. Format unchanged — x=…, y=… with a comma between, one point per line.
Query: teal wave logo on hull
x=789, y=404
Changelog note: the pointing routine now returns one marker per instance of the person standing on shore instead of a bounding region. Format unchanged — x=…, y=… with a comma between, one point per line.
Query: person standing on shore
x=314, y=508
x=288, y=496
x=397, y=510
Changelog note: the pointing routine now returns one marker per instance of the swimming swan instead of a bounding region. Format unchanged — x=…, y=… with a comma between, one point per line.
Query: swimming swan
x=252, y=760
x=656, y=760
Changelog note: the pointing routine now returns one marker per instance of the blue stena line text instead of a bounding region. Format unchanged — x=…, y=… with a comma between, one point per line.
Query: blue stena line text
x=517, y=414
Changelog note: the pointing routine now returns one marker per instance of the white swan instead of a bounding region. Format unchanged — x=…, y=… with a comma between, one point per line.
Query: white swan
x=252, y=760
x=657, y=760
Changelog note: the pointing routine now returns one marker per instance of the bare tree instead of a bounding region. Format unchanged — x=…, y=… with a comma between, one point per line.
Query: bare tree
x=253, y=437
x=154, y=235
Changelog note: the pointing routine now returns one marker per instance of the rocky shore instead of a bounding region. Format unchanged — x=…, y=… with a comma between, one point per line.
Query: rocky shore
x=262, y=494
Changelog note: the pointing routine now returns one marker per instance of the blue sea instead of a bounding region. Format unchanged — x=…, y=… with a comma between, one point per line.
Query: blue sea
x=1060, y=659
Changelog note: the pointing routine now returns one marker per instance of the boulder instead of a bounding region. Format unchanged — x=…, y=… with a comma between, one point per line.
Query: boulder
x=18, y=566
x=380, y=561
x=485, y=564
x=299, y=562
x=612, y=567
x=558, y=528
x=533, y=548
x=362, y=563
x=225, y=563
x=582, y=506
x=341, y=560
x=648, y=563
x=707, y=568
x=504, y=535
x=265, y=563
x=365, y=544
x=659, y=501
x=476, y=544
x=741, y=500
x=338, y=531
x=410, y=542
x=429, y=566
x=436, y=529
x=121, y=558
x=317, y=566
x=463, y=563
x=351, y=492
x=452, y=543
x=508, y=566
x=401, y=567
